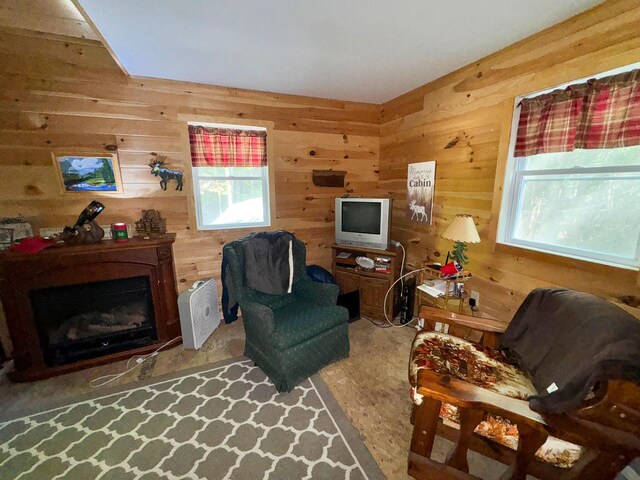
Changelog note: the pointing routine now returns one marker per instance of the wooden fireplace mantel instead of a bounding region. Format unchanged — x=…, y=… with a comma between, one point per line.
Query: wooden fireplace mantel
x=62, y=265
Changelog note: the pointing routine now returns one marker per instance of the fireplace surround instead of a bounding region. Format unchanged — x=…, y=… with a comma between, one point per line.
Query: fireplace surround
x=74, y=307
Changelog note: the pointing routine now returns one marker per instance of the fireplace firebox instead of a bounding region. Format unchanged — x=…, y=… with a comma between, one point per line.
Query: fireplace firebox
x=78, y=322
x=73, y=307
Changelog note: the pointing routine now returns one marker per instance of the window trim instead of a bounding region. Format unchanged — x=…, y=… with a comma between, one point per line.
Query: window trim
x=509, y=201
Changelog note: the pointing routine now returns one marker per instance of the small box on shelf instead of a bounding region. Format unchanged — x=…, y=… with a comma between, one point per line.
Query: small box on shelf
x=438, y=289
x=434, y=273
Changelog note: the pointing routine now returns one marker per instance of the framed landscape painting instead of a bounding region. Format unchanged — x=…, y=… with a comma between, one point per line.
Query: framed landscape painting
x=89, y=173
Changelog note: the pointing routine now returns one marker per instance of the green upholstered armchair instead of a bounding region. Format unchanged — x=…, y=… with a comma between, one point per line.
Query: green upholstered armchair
x=289, y=336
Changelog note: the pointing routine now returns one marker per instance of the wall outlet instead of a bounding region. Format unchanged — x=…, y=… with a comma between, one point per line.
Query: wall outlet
x=476, y=298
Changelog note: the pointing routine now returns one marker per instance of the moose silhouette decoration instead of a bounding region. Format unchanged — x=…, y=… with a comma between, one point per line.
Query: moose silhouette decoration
x=418, y=211
x=165, y=174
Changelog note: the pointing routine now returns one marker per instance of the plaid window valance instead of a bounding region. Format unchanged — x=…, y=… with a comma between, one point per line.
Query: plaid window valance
x=223, y=147
x=603, y=113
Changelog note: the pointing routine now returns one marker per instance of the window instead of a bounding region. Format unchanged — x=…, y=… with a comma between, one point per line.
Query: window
x=583, y=202
x=231, y=197
x=230, y=176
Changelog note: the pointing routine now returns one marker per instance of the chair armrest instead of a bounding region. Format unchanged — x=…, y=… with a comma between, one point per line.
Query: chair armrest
x=257, y=318
x=316, y=292
x=482, y=324
x=464, y=394
x=611, y=418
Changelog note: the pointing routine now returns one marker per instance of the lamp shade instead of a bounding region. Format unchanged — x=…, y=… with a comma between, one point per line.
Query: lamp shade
x=462, y=229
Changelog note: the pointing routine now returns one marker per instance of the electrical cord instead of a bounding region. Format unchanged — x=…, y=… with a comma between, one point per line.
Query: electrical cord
x=387, y=296
x=404, y=256
x=140, y=359
x=373, y=322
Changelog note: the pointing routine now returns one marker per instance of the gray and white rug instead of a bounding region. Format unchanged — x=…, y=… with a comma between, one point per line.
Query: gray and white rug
x=218, y=422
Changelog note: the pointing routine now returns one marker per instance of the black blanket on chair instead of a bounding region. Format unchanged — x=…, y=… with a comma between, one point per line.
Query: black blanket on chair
x=267, y=258
x=567, y=341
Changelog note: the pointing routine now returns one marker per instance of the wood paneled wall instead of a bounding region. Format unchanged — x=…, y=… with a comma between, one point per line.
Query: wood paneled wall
x=62, y=90
x=463, y=120
x=66, y=93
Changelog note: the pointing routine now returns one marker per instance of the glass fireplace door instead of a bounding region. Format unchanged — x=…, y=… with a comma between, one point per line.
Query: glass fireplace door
x=79, y=322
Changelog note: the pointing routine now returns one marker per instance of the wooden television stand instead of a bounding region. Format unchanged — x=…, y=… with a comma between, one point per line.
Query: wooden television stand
x=371, y=284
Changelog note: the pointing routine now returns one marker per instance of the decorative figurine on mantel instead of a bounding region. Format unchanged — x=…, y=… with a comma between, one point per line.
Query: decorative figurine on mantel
x=86, y=230
x=151, y=224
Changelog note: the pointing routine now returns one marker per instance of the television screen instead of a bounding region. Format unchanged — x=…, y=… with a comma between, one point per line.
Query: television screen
x=361, y=217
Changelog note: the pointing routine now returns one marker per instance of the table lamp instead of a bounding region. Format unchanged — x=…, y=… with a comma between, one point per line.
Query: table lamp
x=462, y=230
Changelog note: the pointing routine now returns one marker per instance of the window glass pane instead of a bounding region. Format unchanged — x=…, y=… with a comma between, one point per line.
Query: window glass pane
x=597, y=212
x=614, y=157
x=229, y=171
x=231, y=201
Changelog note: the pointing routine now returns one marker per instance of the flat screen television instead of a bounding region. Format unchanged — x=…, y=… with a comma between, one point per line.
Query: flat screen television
x=363, y=222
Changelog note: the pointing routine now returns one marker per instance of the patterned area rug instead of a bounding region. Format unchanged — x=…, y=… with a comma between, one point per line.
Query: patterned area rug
x=224, y=421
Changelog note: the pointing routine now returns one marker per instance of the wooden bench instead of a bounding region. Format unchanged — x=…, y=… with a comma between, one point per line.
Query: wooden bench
x=606, y=425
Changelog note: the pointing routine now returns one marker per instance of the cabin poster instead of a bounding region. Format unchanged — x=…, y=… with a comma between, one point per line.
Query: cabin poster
x=420, y=186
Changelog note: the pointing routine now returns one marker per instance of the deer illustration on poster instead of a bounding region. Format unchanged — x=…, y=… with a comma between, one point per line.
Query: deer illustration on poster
x=418, y=211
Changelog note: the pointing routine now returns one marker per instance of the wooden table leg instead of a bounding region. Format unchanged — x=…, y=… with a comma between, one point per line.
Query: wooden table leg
x=469, y=420
x=426, y=424
x=530, y=440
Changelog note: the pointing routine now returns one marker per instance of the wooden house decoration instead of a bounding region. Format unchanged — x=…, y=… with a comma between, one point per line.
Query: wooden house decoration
x=151, y=224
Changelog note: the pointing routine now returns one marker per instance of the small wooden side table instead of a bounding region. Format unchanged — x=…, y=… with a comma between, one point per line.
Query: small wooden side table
x=441, y=301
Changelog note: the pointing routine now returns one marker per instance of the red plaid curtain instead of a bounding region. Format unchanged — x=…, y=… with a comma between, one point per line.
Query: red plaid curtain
x=223, y=147
x=602, y=113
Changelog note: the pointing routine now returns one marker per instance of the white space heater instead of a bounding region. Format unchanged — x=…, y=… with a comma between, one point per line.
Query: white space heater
x=199, y=314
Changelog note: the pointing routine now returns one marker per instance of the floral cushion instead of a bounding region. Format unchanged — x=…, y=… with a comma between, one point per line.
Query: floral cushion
x=471, y=362
x=554, y=451
x=487, y=368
